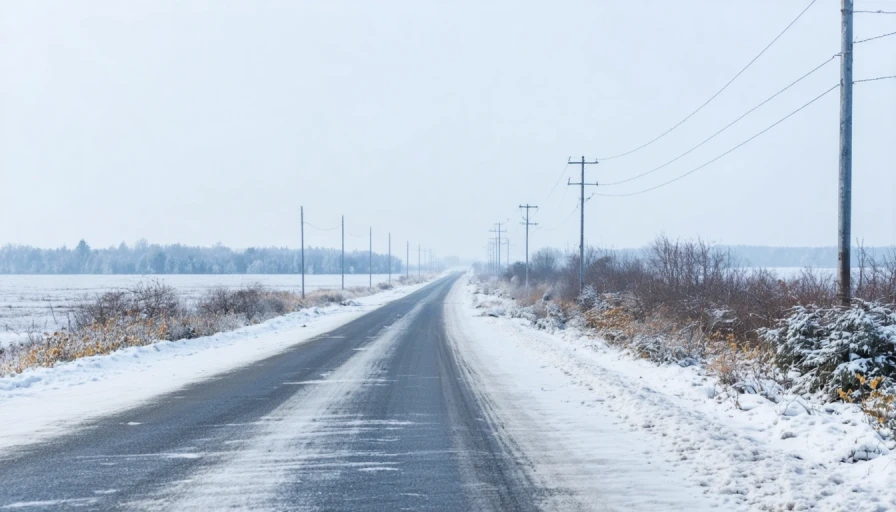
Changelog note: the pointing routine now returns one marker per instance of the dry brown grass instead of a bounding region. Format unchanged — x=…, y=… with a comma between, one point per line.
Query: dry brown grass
x=152, y=312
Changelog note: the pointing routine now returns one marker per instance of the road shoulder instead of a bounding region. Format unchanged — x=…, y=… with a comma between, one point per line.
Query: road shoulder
x=581, y=455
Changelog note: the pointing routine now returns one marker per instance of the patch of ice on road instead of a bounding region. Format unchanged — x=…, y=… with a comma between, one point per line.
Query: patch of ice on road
x=371, y=469
x=76, y=502
x=182, y=455
x=339, y=381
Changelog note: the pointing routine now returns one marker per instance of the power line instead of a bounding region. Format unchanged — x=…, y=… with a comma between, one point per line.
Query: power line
x=873, y=79
x=321, y=229
x=562, y=223
x=729, y=125
x=726, y=152
x=874, y=12
x=714, y=96
x=562, y=173
x=860, y=41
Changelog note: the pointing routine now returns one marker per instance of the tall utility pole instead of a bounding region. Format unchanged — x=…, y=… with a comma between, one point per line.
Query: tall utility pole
x=498, y=248
x=390, y=258
x=845, y=209
x=407, y=259
x=343, y=252
x=302, y=217
x=370, y=258
x=528, y=207
x=582, y=222
x=418, y=260
x=507, y=241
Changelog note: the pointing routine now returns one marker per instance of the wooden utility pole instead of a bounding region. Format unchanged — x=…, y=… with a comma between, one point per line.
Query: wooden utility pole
x=582, y=222
x=845, y=189
x=528, y=207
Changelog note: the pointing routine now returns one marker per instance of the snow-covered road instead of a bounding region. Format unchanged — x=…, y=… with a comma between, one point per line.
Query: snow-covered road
x=415, y=401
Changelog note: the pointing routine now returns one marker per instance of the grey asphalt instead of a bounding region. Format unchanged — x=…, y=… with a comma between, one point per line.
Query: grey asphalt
x=413, y=434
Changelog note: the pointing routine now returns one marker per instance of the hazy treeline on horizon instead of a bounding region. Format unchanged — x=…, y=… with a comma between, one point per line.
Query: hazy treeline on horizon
x=146, y=258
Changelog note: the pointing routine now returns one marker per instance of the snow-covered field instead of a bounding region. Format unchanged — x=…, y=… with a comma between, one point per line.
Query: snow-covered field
x=39, y=303
x=628, y=434
x=43, y=402
x=786, y=272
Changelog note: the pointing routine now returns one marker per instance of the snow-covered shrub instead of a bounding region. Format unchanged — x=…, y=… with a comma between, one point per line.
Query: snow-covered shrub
x=827, y=349
x=588, y=298
x=556, y=316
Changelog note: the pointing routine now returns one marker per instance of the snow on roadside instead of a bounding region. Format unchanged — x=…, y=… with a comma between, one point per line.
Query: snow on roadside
x=44, y=402
x=616, y=414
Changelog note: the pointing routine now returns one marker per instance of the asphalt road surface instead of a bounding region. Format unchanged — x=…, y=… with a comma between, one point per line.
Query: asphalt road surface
x=376, y=415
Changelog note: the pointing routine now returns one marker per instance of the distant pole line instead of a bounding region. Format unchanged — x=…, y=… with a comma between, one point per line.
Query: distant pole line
x=343, y=252
x=497, y=247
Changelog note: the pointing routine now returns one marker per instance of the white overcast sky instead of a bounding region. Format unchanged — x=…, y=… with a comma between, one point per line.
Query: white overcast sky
x=213, y=121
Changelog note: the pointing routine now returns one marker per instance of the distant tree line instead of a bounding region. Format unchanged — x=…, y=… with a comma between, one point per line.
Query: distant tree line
x=760, y=256
x=146, y=258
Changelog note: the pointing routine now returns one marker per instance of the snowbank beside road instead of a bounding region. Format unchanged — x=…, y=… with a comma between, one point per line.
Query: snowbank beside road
x=634, y=435
x=44, y=402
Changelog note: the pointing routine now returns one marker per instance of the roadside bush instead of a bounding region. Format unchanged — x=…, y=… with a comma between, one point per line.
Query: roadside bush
x=685, y=302
x=153, y=300
x=829, y=348
x=153, y=311
x=252, y=302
